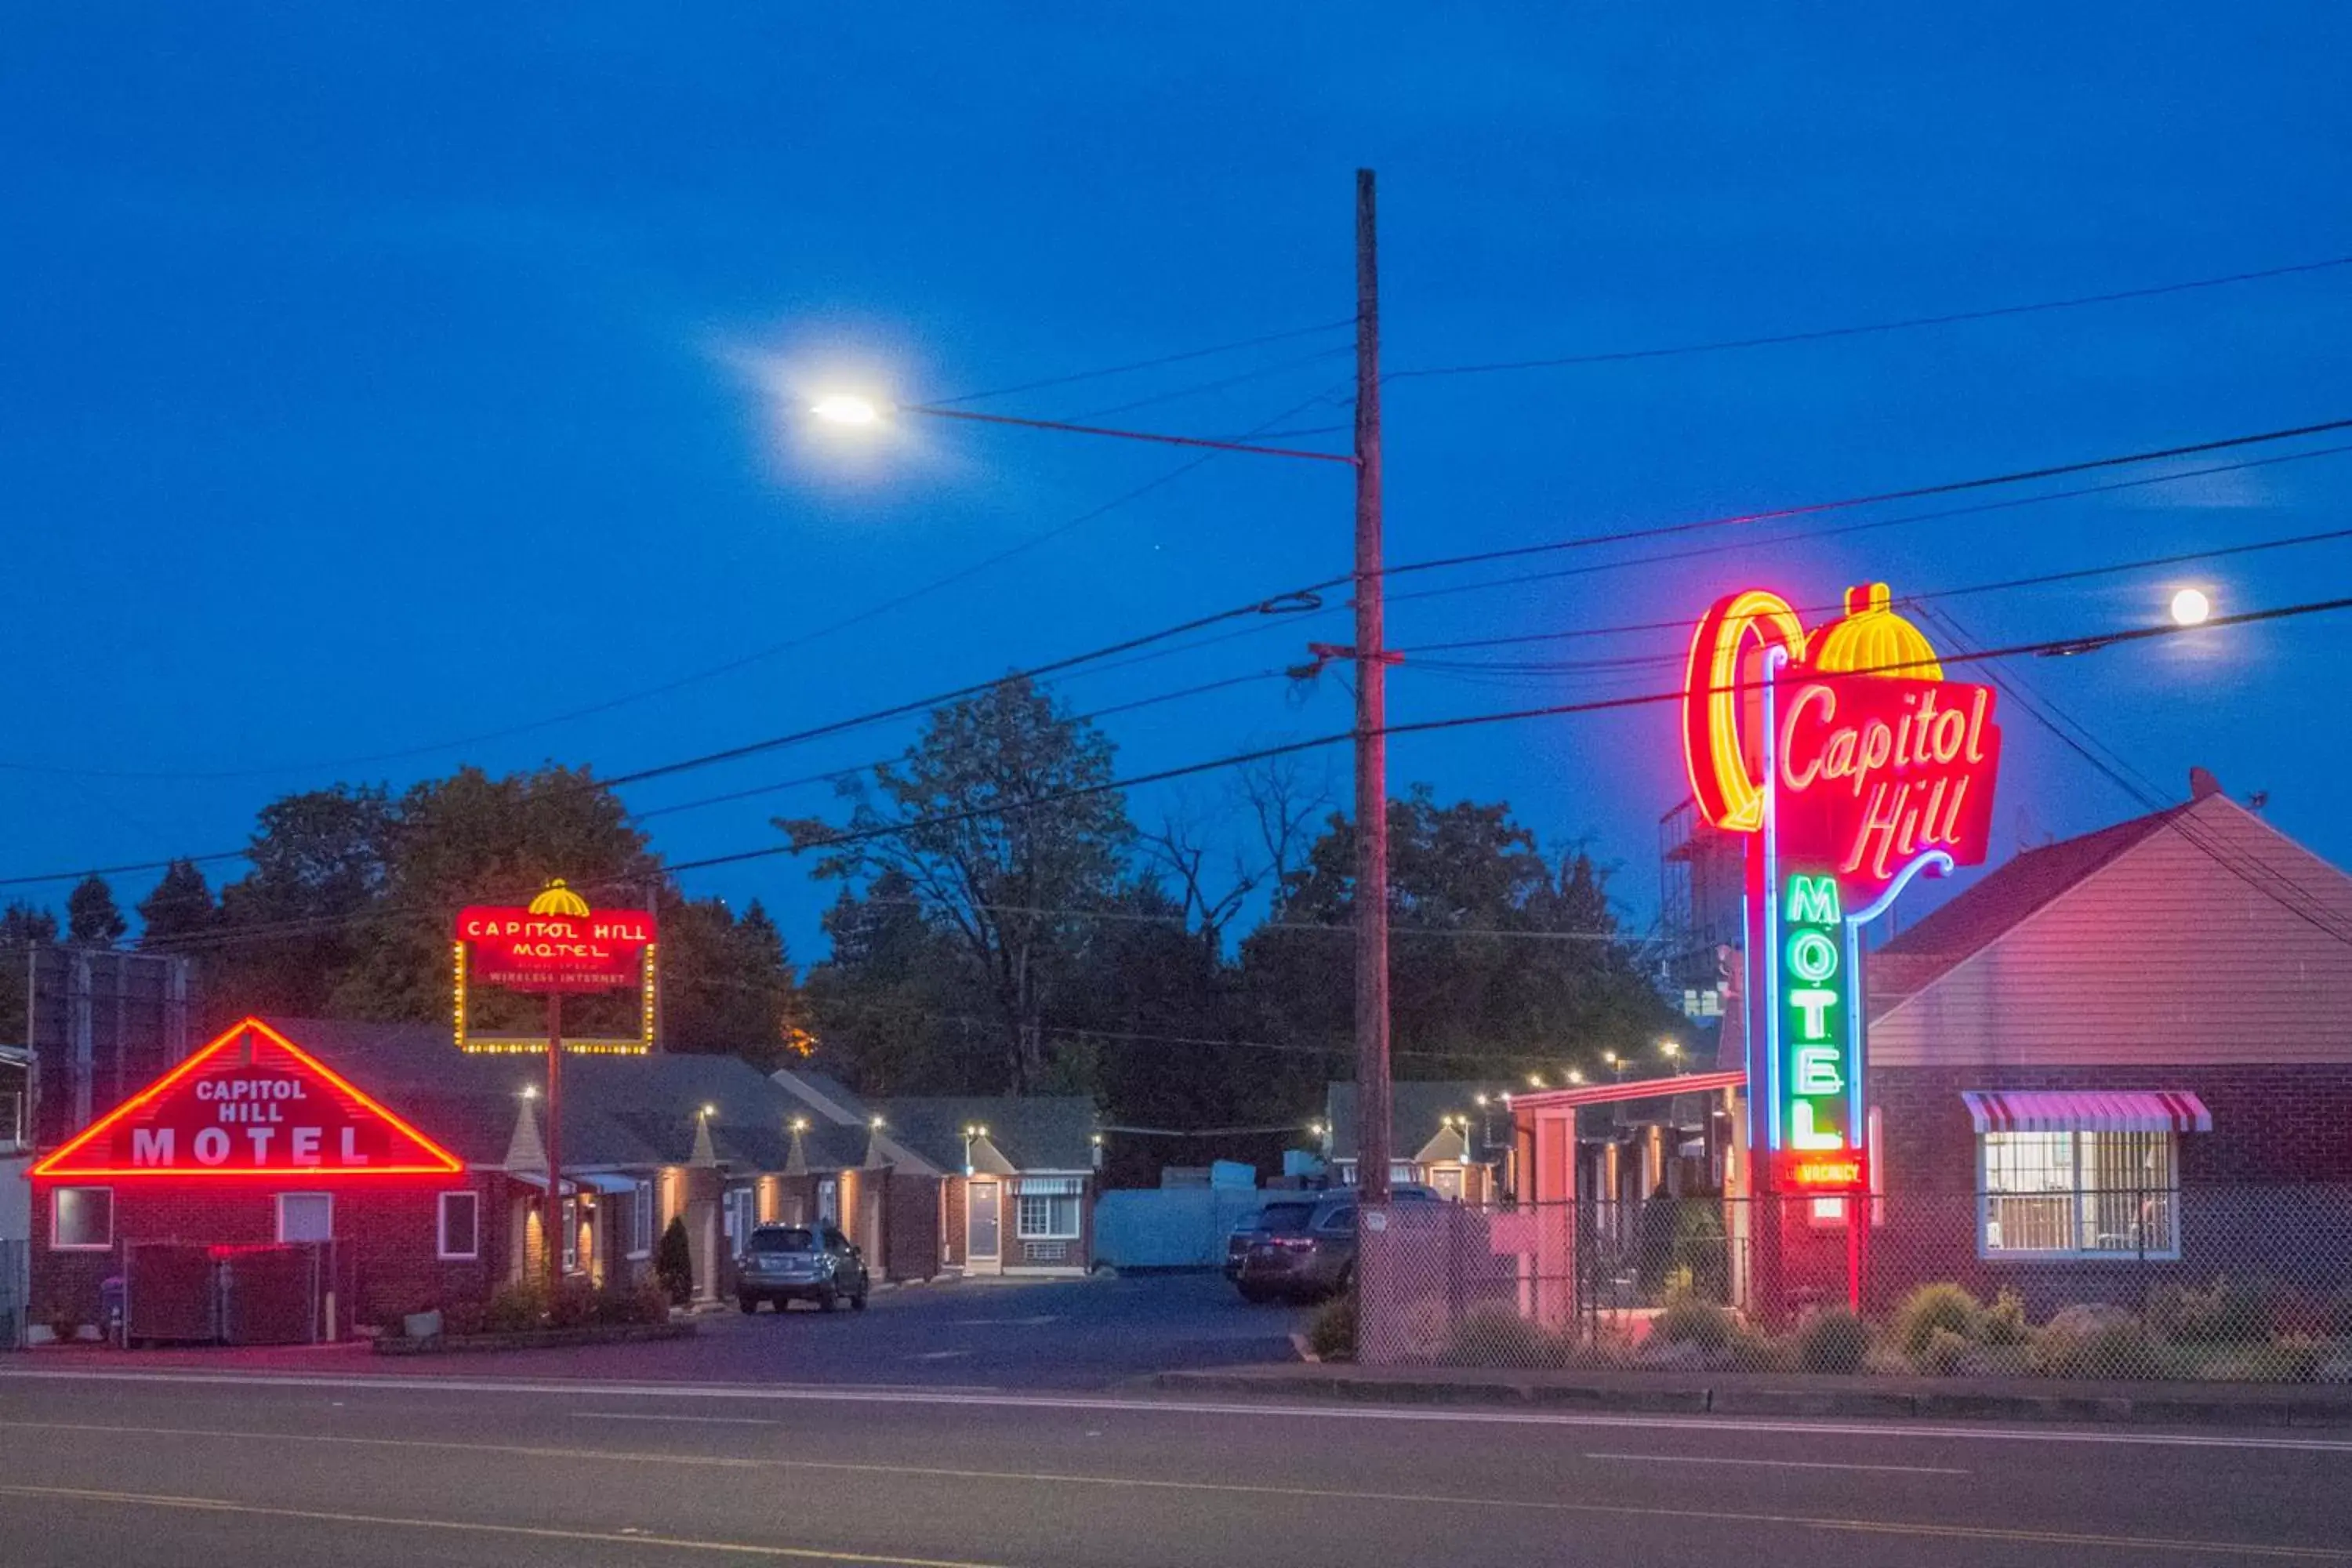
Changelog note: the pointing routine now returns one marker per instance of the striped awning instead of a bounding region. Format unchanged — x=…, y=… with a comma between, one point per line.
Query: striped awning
x=2087, y=1110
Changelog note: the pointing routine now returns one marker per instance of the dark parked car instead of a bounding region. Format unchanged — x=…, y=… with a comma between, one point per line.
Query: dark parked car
x=1306, y=1250
x=1246, y=1229
x=788, y=1263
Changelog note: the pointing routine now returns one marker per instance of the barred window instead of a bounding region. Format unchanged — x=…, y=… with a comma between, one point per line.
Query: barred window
x=2080, y=1194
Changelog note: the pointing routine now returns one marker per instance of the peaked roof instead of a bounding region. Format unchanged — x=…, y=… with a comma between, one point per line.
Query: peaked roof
x=1417, y=1112
x=1997, y=902
x=1031, y=1132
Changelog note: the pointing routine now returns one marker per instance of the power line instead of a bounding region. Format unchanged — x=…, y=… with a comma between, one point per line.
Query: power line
x=1898, y=324
x=2048, y=646
x=1310, y=599
x=1923, y=598
x=2082, y=643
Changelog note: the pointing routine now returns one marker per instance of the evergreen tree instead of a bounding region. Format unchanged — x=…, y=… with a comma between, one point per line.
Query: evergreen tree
x=92, y=918
x=180, y=908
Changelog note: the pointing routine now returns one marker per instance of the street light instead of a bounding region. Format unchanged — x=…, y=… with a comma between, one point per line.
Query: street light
x=848, y=408
x=2190, y=606
x=1616, y=1064
x=1672, y=1050
x=1373, y=1100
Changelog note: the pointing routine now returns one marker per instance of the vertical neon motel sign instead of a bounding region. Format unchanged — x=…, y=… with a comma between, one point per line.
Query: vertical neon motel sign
x=1854, y=766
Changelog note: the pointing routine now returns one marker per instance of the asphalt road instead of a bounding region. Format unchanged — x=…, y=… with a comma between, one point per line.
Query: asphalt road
x=151, y=1468
x=1094, y=1333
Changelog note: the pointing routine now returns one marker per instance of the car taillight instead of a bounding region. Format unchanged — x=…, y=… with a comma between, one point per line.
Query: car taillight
x=1295, y=1243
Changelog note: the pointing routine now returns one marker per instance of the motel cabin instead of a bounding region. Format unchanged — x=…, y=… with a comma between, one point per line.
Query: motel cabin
x=2115, y=1062
x=1014, y=1179
x=1452, y=1137
x=345, y=1174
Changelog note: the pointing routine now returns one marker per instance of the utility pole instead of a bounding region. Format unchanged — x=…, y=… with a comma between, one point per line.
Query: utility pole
x=1372, y=739
x=556, y=1230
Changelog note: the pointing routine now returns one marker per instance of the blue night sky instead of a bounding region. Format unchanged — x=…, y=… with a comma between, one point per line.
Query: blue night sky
x=383, y=379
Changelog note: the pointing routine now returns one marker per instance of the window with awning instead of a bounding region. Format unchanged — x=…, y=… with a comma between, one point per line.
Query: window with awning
x=2081, y=1173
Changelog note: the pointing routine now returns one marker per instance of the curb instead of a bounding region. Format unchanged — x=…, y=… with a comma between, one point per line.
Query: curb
x=2161, y=1409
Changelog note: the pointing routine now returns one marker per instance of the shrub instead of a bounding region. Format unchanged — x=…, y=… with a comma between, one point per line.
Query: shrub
x=674, y=1263
x=2225, y=1312
x=462, y=1318
x=574, y=1306
x=1688, y=1321
x=2003, y=1322
x=2093, y=1340
x=1331, y=1333
x=1932, y=1310
x=1498, y=1336
x=641, y=1301
x=1701, y=1252
x=514, y=1307
x=1833, y=1339
x=64, y=1322
x=1942, y=1354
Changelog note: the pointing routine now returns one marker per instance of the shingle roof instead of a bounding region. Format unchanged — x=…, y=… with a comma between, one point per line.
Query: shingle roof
x=1034, y=1132
x=1417, y=1109
x=1996, y=903
x=628, y=1111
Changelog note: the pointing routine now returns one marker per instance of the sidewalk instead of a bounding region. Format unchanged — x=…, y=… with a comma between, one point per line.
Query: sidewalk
x=1771, y=1393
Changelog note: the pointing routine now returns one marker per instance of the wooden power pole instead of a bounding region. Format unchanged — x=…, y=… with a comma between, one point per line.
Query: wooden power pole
x=1372, y=739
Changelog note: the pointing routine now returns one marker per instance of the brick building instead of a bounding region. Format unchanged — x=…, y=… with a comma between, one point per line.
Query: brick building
x=410, y=1175
x=2114, y=1062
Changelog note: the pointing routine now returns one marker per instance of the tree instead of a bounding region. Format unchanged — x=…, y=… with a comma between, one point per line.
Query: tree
x=91, y=917
x=728, y=984
x=23, y=927
x=1503, y=959
x=471, y=839
x=674, y=1262
x=292, y=924
x=179, y=909
x=999, y=822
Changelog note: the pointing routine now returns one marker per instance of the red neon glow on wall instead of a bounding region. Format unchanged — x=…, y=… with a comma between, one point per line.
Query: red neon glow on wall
x=272, y=1110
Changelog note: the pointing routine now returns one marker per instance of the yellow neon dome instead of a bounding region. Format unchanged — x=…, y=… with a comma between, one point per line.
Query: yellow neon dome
x=1872, y=639
x=558, y=900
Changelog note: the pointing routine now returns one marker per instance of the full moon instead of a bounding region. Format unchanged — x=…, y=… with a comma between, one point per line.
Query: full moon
x=2190, y=606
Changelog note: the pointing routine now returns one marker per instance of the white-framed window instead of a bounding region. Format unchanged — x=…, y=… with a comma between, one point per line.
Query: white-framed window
x=2079, y=1194
x=305, y=1216
x=571, y=1236
x=641, y=1221
x=81, y=1219
x=11, y=1118
x=457, y=1225
x=1046, y=1208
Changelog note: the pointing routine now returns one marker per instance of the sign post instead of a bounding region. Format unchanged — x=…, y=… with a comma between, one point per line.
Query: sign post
x=557, y=946
x=1854, y=766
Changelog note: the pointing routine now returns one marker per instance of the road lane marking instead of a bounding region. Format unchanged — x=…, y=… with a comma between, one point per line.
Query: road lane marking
x=1334, y=1410
x=1919, y=1530
x=938, y=1355
x=1782, y=1464
x=695, y=1420
x=531, y=1531
x=1037, y=1322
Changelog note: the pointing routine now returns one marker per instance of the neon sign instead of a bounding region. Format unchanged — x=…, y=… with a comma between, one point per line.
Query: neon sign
x=251, y=1103
x=555, y=946
x=1854, y=766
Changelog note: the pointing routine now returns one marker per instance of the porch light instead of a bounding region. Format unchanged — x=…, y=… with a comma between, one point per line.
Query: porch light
x=876, y=1124
x=708, y=1111
x=800, y=1123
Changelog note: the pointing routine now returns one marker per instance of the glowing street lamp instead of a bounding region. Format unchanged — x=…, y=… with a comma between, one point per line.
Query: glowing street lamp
x=2190, y=607
x=848, y=408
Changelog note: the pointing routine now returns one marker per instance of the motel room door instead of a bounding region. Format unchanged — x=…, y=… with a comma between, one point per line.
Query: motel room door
x=984, y=1253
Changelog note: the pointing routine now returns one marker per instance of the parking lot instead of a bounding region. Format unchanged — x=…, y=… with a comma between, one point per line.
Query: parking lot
x=978, y=1334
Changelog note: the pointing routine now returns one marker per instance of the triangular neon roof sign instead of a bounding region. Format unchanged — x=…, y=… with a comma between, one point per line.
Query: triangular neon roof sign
x=252, y=1103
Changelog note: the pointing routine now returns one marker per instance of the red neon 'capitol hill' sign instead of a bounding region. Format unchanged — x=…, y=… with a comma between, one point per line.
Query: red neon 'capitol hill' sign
x=556, y=944
x=1875, y=760
x=251, y=1103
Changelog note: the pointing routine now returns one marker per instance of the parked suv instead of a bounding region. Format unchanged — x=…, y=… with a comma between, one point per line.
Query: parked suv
x=788, y=1263
x=1306, y=1250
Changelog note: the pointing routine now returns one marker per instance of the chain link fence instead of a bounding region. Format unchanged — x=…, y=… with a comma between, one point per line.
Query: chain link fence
x=2235, y=1283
